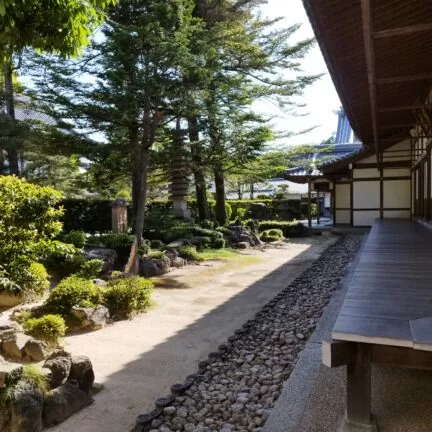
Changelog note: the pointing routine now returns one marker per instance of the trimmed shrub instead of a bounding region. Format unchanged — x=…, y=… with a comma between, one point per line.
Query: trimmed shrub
x=189, y=253
x=218, y=243
x=49, y=328
x=156, y=254
x=157, y=244
x=289, y=229
x=120, y=242
x=126, y=296
x=226, y=232
x=203, y=232
x=91, y=269
x=271, y=235
x=63, y=259
x=22, y=316
x=206, y=224
x=72, y=291
x=77, y=238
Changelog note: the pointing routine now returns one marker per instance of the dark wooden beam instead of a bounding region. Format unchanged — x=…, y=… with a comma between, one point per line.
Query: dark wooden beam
x=404, y=107
x=402, y=31
x=406, y=78
x=397, y=126
x=338, y=353
x=370, y=65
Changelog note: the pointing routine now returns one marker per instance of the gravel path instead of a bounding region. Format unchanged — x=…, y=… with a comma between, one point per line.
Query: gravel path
x=236, y=388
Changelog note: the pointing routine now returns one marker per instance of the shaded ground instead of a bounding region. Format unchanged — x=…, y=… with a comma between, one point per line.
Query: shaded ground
x=198, y=309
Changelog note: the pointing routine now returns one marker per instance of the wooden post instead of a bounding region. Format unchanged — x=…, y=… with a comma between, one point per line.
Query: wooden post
x=318, y=204
x=119, y=219
x=359, y=387
x=309, y=205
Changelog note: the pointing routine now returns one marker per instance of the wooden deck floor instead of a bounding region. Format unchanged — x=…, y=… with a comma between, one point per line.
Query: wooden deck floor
x=389, y=301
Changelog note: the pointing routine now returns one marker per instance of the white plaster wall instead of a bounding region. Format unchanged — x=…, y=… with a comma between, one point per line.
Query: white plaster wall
x=343, y=196
x=366, y=194
x=389, y=214
x=343, y=217
x=365, y=218
x=366, y=173
x=396, y=172
x=327, y=199
x=397, y=194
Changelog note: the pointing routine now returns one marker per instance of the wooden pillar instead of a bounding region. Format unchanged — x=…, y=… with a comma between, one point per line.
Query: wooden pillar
x=309, y=205
x=334, y=203
x=119, y=219
x=318, y=204
x=381, y=170
x=429, y=179
x=359, y=388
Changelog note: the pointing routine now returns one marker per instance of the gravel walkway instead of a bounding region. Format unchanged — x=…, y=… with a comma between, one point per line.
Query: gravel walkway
x=236, y=388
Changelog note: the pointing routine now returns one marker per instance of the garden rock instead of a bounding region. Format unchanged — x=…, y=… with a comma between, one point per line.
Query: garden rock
x=82, y=372
x=242, y=245
x=109, y=256
x=62, y=402
x=90, y=318
x=60, y=369
x=10, y=373
x=149, y=267
x=178, y=262
x=37, y=350
x=241, y=234
x=8, y=330
x=100, y=283
x=26, y=408
x=11, y=350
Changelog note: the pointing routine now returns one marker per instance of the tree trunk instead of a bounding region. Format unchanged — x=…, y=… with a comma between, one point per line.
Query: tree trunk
x=239, y=191
x=252, y=191
x=198, y=171
x=10, y=110
x=221, y=215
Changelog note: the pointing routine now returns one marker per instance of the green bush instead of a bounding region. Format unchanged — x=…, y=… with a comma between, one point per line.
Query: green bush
x=121, y=243
x=91, y=269
x=49, y=328
x=72, y=291
x=218, y=243
x=77, y=238
x=36, y=378
x=189, y=253
x=126, y=296
x=228, y=209
x=271, y=235
x=29, y=222
x=156, y=254
x=22, y=316
x=63, y=259
x=203, y=232
x=206, y=224
x=201, y=242
x=289, y=229
x=226, y=232
x=157, y=244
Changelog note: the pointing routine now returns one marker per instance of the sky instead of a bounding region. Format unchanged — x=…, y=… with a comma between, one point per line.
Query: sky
x=321, y=98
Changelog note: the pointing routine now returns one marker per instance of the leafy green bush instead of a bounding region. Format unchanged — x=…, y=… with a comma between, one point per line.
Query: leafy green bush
x=49, y=328
x=72, y=291
x=90, y=269
x=22, y=316
x=275, y=232
x=125, y=296
x=156, y=254
x=34, y=280
x=189, y=253
x=120, y=242
x=228, y=209
x=28, y=223
x=218, y=243
x=77, y=238
x=268, y=238
x=226, y=232
x=63, y=259
x=157, y=244
x=206, y=224
x=289, y=229
x=203, y=232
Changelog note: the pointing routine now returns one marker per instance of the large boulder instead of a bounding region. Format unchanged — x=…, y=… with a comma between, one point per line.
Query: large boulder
x=60, y=368
x=62, y=402
x=109, y=256
x=89, y=319
x=26, y=408
x=82, y=372
x=149, y=267
x=37, y=350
